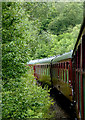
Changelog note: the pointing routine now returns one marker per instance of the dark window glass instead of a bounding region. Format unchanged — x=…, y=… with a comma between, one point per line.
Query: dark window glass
x=76, y=60
x=61, y=65
x=47, y=66
x=64, y=65
x=67, y=65
x=83, y=52
x=79, y=47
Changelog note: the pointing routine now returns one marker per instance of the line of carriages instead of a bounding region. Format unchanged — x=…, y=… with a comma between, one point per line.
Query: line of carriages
x=66, y=73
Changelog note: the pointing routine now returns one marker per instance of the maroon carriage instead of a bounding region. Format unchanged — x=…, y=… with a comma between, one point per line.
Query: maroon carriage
x=78, y=63
x=61, y=74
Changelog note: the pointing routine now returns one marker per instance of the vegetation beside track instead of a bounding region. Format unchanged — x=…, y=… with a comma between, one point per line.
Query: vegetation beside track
x=24, y=99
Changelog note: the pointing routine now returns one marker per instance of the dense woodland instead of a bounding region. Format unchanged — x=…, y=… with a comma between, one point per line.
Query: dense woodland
x=33, y=30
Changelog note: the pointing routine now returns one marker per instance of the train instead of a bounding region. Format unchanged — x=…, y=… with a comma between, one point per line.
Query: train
x=66, y=73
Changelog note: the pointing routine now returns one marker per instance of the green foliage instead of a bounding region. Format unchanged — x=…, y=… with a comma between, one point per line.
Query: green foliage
x=24, y=99
x=66, y=18
x=14, y=46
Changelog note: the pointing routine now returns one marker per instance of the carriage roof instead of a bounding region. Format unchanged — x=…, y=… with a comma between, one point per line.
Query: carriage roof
x=53, y=59
x=31, y=62
x=46, y=60
x=63, y=57
x=41, y=61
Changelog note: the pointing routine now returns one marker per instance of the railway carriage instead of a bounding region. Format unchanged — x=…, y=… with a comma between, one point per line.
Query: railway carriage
x=61, y=74
x=42, y=70
x=32, y=64
x=78, y=68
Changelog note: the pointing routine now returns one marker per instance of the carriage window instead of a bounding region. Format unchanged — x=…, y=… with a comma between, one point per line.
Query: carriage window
x=46, y=69
x=47, y=66
x=64, y=64
x=83, y=52
x=67, y=65
x=42, y=69
x=79, y=47
x=61, y=65
x=76, y=60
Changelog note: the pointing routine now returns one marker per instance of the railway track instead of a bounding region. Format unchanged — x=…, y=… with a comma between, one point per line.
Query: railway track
x=62, y=107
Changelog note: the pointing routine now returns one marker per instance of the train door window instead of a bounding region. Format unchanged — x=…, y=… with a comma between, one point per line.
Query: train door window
x=47, y=69
x=44, y=69
x=53, y=71
x=61, y=65
x=41, y=70
x=83, y=52
x=66, y=65
x=67, y=72
x=76, y=60
x=61, y=71
x=56, y=70
x=38, y=69
x=79, y=47
x=64, y=72
x=35, y=69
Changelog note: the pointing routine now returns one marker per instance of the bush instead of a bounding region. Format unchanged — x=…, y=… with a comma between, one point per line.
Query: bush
x=25, y=99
